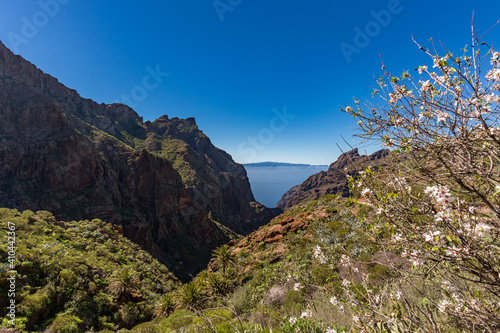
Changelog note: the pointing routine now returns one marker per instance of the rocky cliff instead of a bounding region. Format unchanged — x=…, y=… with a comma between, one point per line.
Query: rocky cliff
x=332, y=181
x=215, y=182
x=83, y=160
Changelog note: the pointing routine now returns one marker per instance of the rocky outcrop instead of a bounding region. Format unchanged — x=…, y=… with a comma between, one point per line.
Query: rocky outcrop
x=272, y=233
x=215, y=182
x=83, y=160
x=333, y=181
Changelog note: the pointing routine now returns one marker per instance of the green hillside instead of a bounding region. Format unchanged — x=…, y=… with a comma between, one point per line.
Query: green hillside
x=78, y=275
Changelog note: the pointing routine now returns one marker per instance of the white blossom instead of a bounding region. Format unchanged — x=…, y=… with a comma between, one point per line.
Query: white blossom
x=442, y=116
x=366, y=192
x=426, y=86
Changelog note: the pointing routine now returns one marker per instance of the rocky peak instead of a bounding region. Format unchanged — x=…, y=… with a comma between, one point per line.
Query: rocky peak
x=345, y=159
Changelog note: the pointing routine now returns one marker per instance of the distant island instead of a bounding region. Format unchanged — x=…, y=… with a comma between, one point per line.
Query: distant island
x=281, y=164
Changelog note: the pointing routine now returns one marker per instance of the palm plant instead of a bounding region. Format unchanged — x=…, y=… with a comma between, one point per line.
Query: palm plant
x=223, y=257
x=218, y=285
x=191, y=295
x=123, y=283
x=165, y=307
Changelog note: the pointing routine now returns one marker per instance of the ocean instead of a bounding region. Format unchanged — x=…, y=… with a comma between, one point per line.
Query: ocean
x=269, y=183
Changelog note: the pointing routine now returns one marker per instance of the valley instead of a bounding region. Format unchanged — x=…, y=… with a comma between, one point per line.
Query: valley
x=133, y=216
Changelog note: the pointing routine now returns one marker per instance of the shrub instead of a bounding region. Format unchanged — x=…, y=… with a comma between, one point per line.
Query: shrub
x=177, y=320
x=293, y=301
x=321, y=274
x=239, y=299
x=165, y=306
x=332, y=210
x=129, y=314
x=148, y=327
x=378, y=272
x=65, y=323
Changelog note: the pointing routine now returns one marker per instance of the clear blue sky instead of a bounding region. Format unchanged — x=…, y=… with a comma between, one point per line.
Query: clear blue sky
x=231, y=74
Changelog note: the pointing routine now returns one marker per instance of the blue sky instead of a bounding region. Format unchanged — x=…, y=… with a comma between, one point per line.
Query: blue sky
x=264, y=79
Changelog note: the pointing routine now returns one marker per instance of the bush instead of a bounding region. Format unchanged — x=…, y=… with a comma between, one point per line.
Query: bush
x=332, y=210
x=378, y=272
x=65, y=323
x=148, y=327
x=177, y=320
x=129, y=314
x=321, y=274
x=239, y=299
x=364, y=210
x=293, y=301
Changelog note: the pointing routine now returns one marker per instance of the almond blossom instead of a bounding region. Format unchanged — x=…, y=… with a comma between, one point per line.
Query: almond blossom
x=345, y=260
x=366, y=192
x=426, y=86
x=442, y=116
x=307, y=313
x=422, y=69
x=318, y=254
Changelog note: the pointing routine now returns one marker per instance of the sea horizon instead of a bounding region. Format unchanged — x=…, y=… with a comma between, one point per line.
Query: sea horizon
x=269, y=183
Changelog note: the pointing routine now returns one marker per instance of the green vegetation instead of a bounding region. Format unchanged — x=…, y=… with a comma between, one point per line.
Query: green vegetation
x=91, y=278
x=175, y=151
x=255, y=290
x=78, y=276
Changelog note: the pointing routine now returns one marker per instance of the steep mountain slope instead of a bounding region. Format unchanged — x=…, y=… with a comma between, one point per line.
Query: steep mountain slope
x=80, y=159
x=332, y=181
